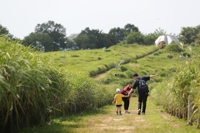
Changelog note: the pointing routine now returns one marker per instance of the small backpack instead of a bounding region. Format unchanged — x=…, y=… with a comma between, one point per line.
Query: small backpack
x=143, y=87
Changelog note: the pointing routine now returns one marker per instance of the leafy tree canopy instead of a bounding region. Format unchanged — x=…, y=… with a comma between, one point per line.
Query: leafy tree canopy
x=56, y=31
x=39, y=41
x=158, y=32
x=130, y=27
x=4, y=31
x=149, y=39
x=119, y=33
x=135, y=37
x=53, y=34
x=94, y=38
x=188, y=35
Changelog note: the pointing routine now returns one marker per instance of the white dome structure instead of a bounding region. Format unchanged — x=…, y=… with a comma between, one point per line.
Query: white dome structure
x=167, y=39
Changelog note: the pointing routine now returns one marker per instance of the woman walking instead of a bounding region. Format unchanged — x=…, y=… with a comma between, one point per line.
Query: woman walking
x=125, y=91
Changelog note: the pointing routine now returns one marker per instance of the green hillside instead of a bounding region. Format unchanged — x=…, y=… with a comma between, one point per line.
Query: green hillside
x=97, y=61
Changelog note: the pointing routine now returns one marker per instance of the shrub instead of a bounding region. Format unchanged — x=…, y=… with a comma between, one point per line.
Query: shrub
x=107, y=50
x=156, y=53
x=143, y=73
x=173, y=48
x=158, y=80
x=172, y=70
x=134, y=61
x=170, y=56
x=123, y=68
x=99, y=58
x=106, y=81
x=74, y=55
x=185, y=54
x=122, y=75
x=163, y=74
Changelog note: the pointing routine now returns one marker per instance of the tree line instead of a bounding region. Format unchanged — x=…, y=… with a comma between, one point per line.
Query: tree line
x=51, y=36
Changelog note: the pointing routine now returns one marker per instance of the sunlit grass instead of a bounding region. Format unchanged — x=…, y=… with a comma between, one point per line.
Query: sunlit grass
x=91, y=60
x=104, y=120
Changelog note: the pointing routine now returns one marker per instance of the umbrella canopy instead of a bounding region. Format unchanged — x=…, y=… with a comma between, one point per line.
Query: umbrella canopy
x=167, y=39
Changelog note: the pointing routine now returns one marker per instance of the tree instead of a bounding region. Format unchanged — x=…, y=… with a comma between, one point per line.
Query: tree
x=72, y=36
x=87, y=38
x=197, y=40
x=119, y=33
x=130, y=27
x=108, y=40
x=149, y=39
x=4, y=31
x=135, y=37
x=189, y=34
x=94, y=38
x=82, y=41
x=39, y=41
x=159, y=32
x=70, y=42
x=57, y=32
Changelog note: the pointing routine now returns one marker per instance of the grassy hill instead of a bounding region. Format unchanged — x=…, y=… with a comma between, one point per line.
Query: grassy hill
x=96, y=61
x=101, y=63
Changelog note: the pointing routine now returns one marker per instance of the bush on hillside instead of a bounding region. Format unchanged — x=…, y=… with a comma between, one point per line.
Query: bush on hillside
x=157, y=53
x=99, y=58
x=107, y=50
x=134, y=61
x=74, y=55
x=185, y=54
x=169, y=56
x=123, y=68
x=122, y=75
x=174, y=49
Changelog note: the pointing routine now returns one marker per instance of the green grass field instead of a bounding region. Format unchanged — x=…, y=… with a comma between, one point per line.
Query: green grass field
x=97, y=59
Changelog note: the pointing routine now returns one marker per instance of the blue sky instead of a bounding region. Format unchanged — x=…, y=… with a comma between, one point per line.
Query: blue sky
x=20, y=17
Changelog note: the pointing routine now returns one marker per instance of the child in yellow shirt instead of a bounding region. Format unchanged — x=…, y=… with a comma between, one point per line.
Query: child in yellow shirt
x=118, y=100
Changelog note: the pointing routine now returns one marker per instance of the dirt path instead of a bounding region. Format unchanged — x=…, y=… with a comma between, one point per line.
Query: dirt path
x=104, y=120
x=99, y=76
x=154, y=121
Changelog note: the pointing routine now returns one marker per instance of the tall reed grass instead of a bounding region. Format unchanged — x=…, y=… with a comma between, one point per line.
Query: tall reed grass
x=180, y=94
x=34, y=89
